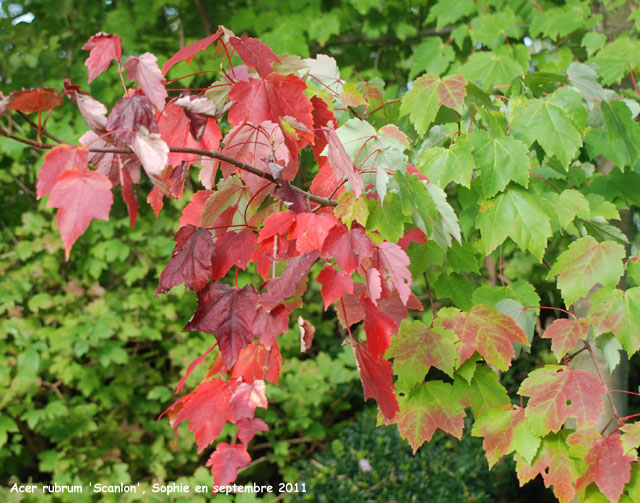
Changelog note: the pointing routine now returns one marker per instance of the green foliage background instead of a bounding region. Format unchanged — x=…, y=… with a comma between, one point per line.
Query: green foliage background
x=88, y=357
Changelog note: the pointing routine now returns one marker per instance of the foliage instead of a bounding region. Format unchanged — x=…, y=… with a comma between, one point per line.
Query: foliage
x=507, y=148
x=366, y=463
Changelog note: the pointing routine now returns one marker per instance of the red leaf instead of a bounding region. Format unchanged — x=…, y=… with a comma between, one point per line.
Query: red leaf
x=411, y=236
x=395, y=262
x=190, y=262
x=378, y=326
x=321, y=116
x=93, y=112
x=269, y=325
x=284, y=286
x=225, y=461
x=129, y=114
x=311, y=230
x=153, y=154
x=57, y=160
x=227, y=313
x=276, y=224
x=247, y=397
x=255, y=144
x=489, y=332
x=32, y=100
x=187, y=53
x=81, y=196
x=255, y=54
x=558, y=393
x=145, y=70
x=498, y=425
x=207, y=408
x=109, y=164
x=325, y=183
x=348, y=246
x=432, y=406
x=341, y=162
x=254, y=359
x=174, y=128
x=247, y=429
x=334, y=285
x=191, y=368
x=269, y=98
x=608, y=467
x=307, y=331
x=103, y=48
x=192, y=212
x=129, y=195
x=232, y=248
x=377, y=380
x=564, y=335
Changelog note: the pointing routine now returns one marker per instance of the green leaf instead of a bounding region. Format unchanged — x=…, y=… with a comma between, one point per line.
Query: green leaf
x=455, y=287
x=585, y=264
x=560, y=21
x=388, y=219
x=416, y=348
x=428, y=94
x=584, y=79
x=624, y=132
x=500, y=160
x=444, y=165
x=615, y=311
x=416, y=201
x=488, y=69
x=517, y=214
x=462, y=257
x=557, y=123
x=492, y=29
x=446, y=226
x=431, y=56
x=593, y=42
x=571, y=204
x=519, y=290
x=486, y=390
x=614, y=60
x=375, y=155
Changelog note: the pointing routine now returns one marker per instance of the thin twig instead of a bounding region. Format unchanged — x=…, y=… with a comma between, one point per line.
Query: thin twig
x=44, y=131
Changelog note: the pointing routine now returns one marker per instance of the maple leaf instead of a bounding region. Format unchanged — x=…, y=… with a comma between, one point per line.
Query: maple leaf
x=340, y=161
x=247, y=397
x=227, y=313
x=428, y=94
x=208, y=408
x=311, y=230
x=453, y=164
x=93, y=112
x=153, y=154
x=192, y=212
x=247, y=428
x=173, y=125
x=558, y=393
x=232, y=248
x=190, y=262
x=102, y=49
x=255, y=144
x=57, y=160
x=145, y=70
x=80, y=196
x=129, y=114
x=276, y=224
x=187, y=53
x=377, y=380
x=284, y=286
x=257, y=362
x=394, y=262
x=269, y=325
x=192, y=367
x=269, y=99
x=564, y=335
x=616, y=311
x=607, y=466
x=416, y=348
x=129, y=195
x=378, y=327
x=433, y=405
x=307, y=331
x=32, y=100
x=334, y=285
x=255, y=54
x=585, y=264
x=488, y=331
x=554, y=464
x=225, y=461
x=322, y=115
x=505, y=430
x=348, y=246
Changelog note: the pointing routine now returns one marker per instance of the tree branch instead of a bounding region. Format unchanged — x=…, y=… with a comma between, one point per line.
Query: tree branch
x=214, y=154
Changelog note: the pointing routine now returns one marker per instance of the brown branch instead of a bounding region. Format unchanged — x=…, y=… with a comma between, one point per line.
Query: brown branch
x=42, y=130
x=204, y=17
x=214, y=154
